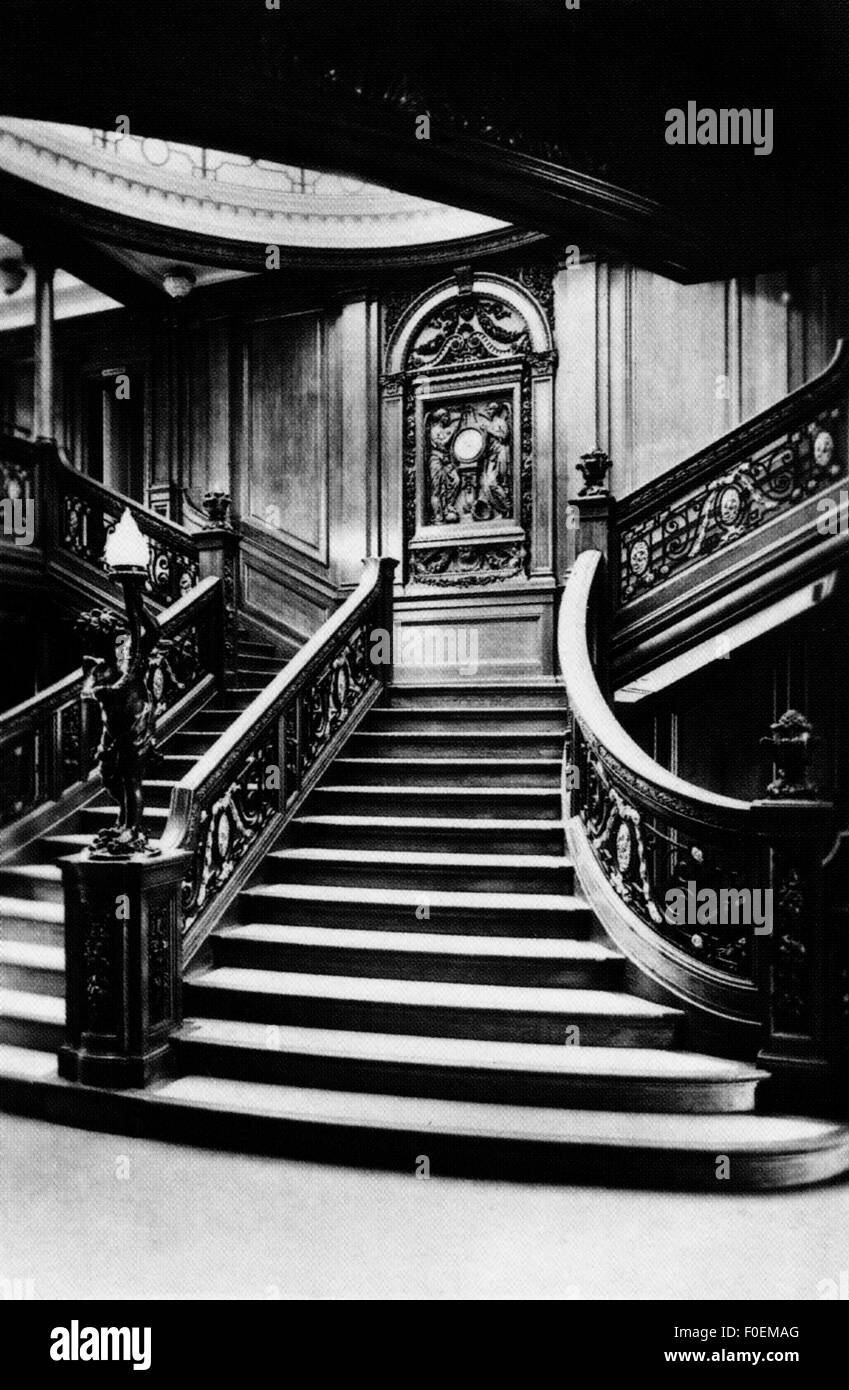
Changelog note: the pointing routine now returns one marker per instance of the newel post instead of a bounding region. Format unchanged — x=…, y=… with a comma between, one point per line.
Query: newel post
x=123, y=932
x=387, y=619
x=592, y=517
x=797, y=960
x=591, y=513
x=218, y=550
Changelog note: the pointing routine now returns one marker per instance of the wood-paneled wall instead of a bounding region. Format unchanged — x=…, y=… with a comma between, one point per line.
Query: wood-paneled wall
x=274, y=394
x=651, y=370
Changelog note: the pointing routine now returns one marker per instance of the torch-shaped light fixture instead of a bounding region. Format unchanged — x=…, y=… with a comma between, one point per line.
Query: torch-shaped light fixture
x=127, y=550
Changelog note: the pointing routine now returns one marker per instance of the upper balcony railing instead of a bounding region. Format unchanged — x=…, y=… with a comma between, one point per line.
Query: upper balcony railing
x=52, y=510
x=750, y=517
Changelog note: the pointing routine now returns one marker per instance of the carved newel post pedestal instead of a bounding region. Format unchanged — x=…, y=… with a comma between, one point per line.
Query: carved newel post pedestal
x=122, y=946
x=122, y=895
x=591, y=512
x=796, y=955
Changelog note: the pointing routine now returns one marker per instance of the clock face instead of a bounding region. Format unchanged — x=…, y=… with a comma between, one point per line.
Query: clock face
x=468, y=444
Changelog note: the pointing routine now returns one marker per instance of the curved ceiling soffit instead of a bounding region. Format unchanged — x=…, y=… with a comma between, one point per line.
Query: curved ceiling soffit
x=517, y=296
x=228, y=200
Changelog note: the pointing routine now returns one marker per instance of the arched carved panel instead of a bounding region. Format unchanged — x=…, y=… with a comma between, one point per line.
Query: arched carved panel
x=462, y=364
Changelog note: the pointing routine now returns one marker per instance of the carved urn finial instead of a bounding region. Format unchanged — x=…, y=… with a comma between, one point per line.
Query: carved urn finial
x=791, y=745
x=216, y=504
x=594, y=466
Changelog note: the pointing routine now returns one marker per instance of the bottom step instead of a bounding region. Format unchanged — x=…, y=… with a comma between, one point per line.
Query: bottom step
x=442, y=1136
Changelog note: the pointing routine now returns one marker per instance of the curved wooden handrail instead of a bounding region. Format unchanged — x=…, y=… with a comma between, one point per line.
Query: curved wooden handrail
x=151, y=523
x=295, y=725
x=646, y=844
x=648, y=781
x=38, y=706
x=270, y=700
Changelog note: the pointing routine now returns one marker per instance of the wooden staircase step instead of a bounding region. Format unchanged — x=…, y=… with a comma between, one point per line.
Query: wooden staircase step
x=434, y=1008
x=27, y=919
x=429, y=832
x=607, y=1078
x=39, y=882
x=68, y=842
x=465, y=773
x=32, y=967
x=543, y=962
x=462, y=1138
x=32, y=1020
x=493, y=873
x=459, y=719
x=502, y=914
x=464, y=743
x=102, y=813
x=545, y=692
x=594, y=1146
x=482, y=803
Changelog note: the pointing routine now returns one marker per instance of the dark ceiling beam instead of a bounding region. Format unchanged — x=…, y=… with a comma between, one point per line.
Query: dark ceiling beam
x=590, y=88
x=31, y=219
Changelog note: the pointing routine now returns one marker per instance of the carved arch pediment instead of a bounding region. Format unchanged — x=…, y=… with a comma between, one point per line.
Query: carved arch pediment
x=464, y=358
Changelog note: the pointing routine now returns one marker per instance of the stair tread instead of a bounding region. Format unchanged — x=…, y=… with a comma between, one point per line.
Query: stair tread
x=76, y=837
x=440, y=710
x=32, y=954
x=502, y=686
x=706, y=1134
x=37, y=1008
x=27, y=1063
x=431, y=823
x=446, y=735
x=641, y=1062
x=421, y=943
x=413, y=760
x=35, y=911
x=43, y=873
x=404, y=789
x=421, y=858
x=416, y=897
x=572, y=1003
x=702, y=1134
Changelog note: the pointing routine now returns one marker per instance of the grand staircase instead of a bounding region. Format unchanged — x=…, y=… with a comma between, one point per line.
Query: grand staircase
x=413, y=976
x=413, y=979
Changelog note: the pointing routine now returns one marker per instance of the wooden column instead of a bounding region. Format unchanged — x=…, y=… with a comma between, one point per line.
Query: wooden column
x=43, y=423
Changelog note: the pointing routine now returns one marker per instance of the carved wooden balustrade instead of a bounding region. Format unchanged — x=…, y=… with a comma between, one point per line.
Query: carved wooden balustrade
x=71, y=517
x=235, y=801
x=757, y=513
x=87, y=512
x=646, y=845
x=48, y=743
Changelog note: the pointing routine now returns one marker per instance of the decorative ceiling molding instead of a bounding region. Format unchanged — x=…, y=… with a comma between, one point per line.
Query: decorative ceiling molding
x=211, y=193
